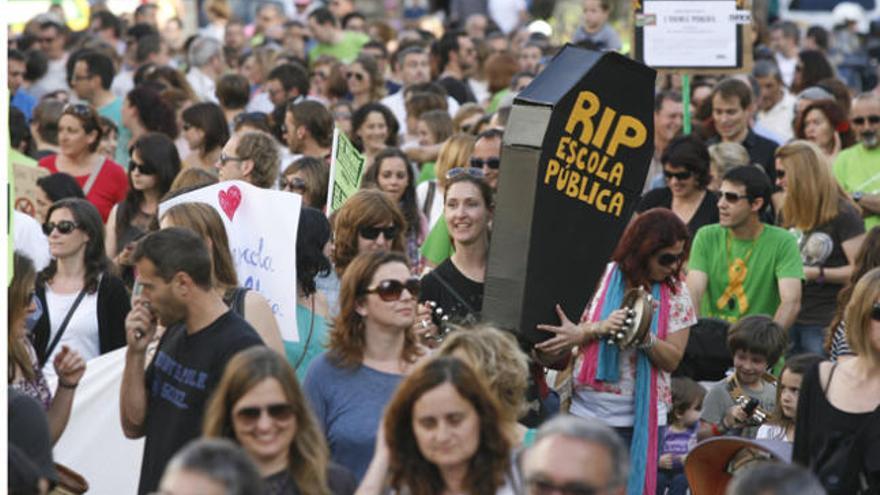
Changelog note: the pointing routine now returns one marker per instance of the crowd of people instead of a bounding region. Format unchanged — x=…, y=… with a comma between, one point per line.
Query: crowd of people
x=755, y=245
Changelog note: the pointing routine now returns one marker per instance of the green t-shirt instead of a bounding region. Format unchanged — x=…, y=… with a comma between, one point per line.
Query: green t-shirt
x=113, y=111
x=772, y=256
x=427, y=173
x=438, y=246
x=857, y=169
x=345, y=51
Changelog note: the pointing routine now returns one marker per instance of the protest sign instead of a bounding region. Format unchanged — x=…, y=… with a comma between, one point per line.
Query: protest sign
x=346, y=170
x=261, y=225
x=574, y=159
x=26, y=172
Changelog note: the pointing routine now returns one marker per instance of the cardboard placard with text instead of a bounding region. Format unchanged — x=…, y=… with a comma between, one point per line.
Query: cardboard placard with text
x=26, y=175
x=346, y=171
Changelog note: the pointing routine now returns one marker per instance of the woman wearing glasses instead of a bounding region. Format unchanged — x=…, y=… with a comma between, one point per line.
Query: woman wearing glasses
x=686, y=166
x=392, y=174
x=629, y=388
x=308, y=177
x=374, y=128
x=365, y=81
x=369, y=352
x=153, y=167
x=84, y=305
x=830, y=229
x=79, y=135
x=368, y=221
x=259, y=404
x=206, y=131
x=25, y=374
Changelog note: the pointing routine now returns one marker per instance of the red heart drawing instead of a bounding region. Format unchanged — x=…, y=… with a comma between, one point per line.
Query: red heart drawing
x=230, y=199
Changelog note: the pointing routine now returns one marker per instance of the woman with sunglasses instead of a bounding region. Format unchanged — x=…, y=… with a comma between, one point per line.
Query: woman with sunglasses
x=79, y=135
x=328, y=83
x=365, y=81
x=373, y=129
x=837, y=431
x=370, y=350
x=629, y=388
x=206, y=131
x=24, y=373
x=153, y=167
x=309, y=177
x=392, y=174
x=686, y=166
x=830, y=230
x=368, y=221
x=444, y=435
x=259, y=404
x=84, y=305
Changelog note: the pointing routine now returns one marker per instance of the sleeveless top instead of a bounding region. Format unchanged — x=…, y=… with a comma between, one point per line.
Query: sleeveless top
x=234, y=298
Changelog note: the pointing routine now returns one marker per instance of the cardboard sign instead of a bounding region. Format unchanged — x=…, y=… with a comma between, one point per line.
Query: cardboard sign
x=574, y=159
x=262, y=227
x=26, y=175
x=346, y=171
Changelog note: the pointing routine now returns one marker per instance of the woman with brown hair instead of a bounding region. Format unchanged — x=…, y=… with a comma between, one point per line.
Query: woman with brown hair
x=250, y=305
x=825, y=123
x=365, y=81
x=260, y=405
x=369, y=352
x=368, y=221
x=444, y=435
x=830, y=231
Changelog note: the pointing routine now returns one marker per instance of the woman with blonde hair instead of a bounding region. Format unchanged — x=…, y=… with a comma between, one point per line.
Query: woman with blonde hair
x=369, y=352
x=368, y=221
x=454, y=153
x=830, y=231
x=723, y=157
x=260, y=405
x=250, y=305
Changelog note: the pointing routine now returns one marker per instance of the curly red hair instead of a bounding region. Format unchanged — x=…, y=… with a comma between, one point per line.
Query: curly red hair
x=651, y=231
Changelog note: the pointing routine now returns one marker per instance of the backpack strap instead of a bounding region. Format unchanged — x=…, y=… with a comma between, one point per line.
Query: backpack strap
x=429, y=199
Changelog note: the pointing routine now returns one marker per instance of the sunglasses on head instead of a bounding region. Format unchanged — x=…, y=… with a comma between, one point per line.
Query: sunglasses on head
x=356, y=75
x=64, y=227
x=875, y=312
x=493, y=163
x=294, y=184
x=372, y=233
x=668, y=259
x=78, y=109
x=687, y=174
x=732, y=197
x=476, y=173
x=278, y=412
x=141, y=168
x=390, y=290
x=872, y=119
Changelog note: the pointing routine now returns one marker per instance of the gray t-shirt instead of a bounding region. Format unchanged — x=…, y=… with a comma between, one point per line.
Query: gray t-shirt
x=718, y=401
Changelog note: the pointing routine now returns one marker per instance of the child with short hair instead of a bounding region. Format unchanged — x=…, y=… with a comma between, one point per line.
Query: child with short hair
x=596, y=31
x=738, y=404
x=780, y=425
x=680, y=436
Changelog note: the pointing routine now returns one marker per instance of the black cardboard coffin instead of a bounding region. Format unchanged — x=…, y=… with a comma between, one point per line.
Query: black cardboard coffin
x=575, y=157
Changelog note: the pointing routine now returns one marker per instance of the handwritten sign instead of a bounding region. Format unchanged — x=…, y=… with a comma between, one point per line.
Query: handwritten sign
x=262, y=228
x=26, y=174
x=346, y=170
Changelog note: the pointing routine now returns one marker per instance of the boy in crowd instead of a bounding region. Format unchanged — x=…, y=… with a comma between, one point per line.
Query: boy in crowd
x=755, y=342
x=596, y=28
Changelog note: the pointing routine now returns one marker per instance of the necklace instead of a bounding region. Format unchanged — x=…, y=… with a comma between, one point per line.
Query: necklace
x=737, y=270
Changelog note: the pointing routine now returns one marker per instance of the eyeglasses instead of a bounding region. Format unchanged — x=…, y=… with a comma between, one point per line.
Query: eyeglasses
x=871, y=119
x=687, y=174
x=356, y=75
x=250, y=415
x=391, y=290
x=732, y=197
x=473, y=172
x=64, y=227
x=295, y=184
x=545, y=487
x=372, y=233
x=141, y=168
x=780, y=173
x=226, y=158
x=493, y=163
x=668, y=259
x=875, y=312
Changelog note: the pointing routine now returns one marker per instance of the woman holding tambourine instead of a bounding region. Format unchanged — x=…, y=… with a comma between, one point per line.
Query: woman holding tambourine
x=628, y=385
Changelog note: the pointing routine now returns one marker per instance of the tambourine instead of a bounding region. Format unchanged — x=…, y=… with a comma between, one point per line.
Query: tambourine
x=640, y=309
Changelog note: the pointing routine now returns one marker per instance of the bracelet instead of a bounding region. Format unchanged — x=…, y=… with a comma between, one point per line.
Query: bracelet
x=649, y=343
x=67, y=385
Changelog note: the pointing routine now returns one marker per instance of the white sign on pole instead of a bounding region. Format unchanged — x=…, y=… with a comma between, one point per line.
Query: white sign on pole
x=690, y=33
x=261, y=225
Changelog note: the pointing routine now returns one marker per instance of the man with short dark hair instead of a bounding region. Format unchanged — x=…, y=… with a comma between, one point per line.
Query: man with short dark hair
x=233, y=93
x=413, y=66
x=165, y=403
x=668, y=115
x=458, y=57
x=20, y=99
x=741, y=266
x=92, y=78
x=857, y=168
x=487, y=155
x=308, y=129
x=251, y=156
x=333, y=41
x=108, y=27
x=775, y=104
x=732, y=108
x=784, y=40
x=286, y=82
x=52, y=42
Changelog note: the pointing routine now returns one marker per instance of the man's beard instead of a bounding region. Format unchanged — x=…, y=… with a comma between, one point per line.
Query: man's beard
x=870, y=139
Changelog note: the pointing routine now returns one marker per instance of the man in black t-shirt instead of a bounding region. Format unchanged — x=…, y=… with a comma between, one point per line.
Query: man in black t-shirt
x=165, y=403
x=457, y=57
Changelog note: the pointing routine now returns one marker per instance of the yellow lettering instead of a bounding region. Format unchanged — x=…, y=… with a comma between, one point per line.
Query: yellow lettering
x=580, y=157
x=616, y=174
x=600, y=205
x=604, y=124
x=581, y=114
x=571, y=190
x=629, y=132
x=562, y=178
x=560, y=150
x=593, y=162
x=592, y=197
x=581, y=196
x=602, y=173
x=552, y=169
x=572, y=150
x=616, y=206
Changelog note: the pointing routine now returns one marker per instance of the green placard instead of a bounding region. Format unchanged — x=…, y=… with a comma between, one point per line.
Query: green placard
x=346, y=170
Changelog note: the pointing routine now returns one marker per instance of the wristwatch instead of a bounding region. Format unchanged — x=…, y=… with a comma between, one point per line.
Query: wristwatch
x=857, y=196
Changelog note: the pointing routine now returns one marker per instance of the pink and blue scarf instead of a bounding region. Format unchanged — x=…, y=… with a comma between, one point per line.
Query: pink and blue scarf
x=601, y=364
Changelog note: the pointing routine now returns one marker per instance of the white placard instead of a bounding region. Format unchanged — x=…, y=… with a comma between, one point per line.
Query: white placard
x=690, y=33
x=261, y=225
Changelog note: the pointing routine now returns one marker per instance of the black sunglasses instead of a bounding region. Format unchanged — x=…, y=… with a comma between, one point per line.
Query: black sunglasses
x=226, y=158
x=64, y=227
x=372, y=233
x=278, y=412
x=294, y=184
x=872, y=119
x=390, y=290
x=875, y=312
x=732, y=197
x=687, y=174
x=476, y=173
x=356, y=75
x=141, y=168
x=668, y=259
x=493, y=163
x=546, y=487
